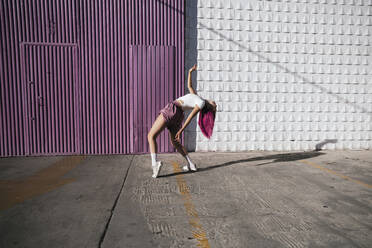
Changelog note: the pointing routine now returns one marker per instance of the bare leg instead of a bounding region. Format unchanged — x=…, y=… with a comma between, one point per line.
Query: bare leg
x=157, y=127
x=180, y=148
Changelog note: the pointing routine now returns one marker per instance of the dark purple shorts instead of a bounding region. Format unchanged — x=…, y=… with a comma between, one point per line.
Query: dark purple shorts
x=173, y=115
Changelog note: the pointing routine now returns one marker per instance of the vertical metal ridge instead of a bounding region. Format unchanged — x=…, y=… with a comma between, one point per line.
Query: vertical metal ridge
x=14, y=106
x=2, y=102
x=125, y=65
x=2, y=79
x=104, y=78
x=4, y=89
x=112, y=78
x=48, y=103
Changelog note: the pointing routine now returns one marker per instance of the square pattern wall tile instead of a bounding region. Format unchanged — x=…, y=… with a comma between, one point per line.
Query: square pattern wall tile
x=286, y=74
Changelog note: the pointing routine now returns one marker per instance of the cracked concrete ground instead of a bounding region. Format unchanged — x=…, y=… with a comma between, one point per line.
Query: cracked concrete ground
x=251, y=199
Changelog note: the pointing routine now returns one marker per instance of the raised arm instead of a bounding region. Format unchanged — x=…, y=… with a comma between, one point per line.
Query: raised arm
x=189, y=83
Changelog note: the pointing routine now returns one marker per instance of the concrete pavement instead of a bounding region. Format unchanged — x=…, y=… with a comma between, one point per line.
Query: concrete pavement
x=252, y=199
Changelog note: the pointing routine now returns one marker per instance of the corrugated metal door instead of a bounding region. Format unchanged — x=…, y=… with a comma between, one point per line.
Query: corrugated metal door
x=152, y=86
x=51, y=98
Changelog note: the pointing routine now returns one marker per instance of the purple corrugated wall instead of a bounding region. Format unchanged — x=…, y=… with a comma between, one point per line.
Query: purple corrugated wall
x=101, y=33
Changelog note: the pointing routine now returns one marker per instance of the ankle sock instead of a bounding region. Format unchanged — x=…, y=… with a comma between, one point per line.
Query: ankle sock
x=189, y=161
x=153, y=159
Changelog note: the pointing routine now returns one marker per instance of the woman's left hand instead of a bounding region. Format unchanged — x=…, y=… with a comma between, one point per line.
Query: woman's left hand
x=193, y=68
x=178, y=136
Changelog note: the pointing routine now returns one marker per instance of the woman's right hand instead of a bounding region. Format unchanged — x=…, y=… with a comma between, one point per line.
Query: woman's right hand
x=193, y=68
x=177, y=137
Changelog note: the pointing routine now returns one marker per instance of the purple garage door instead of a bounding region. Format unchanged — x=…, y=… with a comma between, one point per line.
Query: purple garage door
x=152, y=86
x=50, y=96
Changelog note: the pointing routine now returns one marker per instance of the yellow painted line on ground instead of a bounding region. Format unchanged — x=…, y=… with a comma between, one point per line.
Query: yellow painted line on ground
x=18, y=190
x=197, y=230
x=335, y=173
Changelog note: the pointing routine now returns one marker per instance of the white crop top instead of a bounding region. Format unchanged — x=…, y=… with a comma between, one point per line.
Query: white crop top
x=189, y=101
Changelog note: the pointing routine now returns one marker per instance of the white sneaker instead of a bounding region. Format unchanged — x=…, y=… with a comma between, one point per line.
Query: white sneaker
x=156, y=169
x=193, y=167
x=185, y=168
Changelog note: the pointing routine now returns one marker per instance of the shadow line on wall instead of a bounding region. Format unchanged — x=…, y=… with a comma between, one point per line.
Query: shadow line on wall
x=323, y=89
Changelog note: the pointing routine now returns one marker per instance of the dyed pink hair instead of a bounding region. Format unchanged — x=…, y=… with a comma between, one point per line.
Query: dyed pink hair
x=206, y=120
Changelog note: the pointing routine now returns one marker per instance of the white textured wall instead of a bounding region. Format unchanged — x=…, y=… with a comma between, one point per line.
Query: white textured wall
x=286, y=75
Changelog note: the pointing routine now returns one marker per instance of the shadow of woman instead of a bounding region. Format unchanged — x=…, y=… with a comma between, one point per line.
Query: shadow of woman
x=284, y=157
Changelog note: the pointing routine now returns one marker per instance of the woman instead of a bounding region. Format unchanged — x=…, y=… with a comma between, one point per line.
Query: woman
x=171, y=117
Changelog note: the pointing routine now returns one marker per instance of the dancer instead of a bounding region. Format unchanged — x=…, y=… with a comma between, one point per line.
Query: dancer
x=171, y=117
